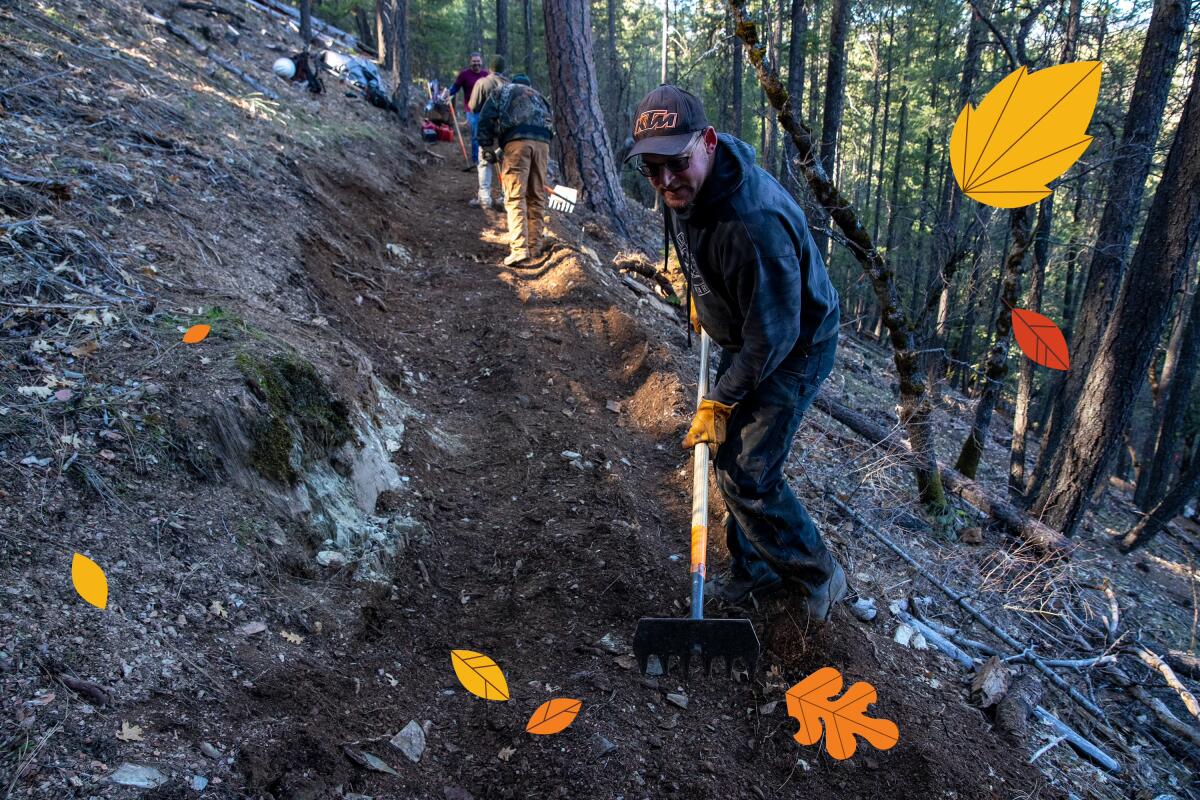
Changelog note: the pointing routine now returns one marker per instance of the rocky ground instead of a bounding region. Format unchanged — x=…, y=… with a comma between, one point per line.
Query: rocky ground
x=390, y=447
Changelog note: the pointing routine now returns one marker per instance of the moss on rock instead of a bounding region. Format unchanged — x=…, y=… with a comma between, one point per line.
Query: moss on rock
x=292, y=390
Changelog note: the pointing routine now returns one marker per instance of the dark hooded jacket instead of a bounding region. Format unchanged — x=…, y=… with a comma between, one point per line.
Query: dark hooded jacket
x=758, y=280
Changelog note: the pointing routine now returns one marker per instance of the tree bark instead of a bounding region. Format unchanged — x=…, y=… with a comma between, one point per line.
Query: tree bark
x=398, y=50
x=1156, y=274
x=796, y=55
x=587, y=160
x=474, y=26
x=914, y=408
x=1143, y=121
x=527, y=17
x=306, y=21
x=835, y=85
x=883, y=137
x=738, y=60
x=1033, y=301
x=382, y=35
x=502, y=28
x=1152, y=485
x=997, y=361
x=1166, y=510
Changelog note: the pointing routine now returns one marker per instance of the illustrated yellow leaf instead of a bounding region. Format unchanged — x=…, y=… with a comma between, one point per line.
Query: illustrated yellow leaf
x=1026, y=132
x=553, y=716
x=810, y=701
x=479, y=675
x=90, y=581
x=196, y=334
x=130, y=733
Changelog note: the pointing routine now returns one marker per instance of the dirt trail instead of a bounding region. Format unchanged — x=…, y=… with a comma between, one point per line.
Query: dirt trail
x=533, y=557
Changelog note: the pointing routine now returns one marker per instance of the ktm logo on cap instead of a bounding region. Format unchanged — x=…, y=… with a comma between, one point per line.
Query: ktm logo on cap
x=653, y=120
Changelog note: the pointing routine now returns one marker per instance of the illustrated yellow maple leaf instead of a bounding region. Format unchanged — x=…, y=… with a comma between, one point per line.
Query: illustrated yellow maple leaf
x=1026, y=132
x=90, y=581
x=810, y=701
x=479, y=675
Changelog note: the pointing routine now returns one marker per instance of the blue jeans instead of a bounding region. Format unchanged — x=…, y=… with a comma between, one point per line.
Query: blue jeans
x=768, y=531
x=473, y=120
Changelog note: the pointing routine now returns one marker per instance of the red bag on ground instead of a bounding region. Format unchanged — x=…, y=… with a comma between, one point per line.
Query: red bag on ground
x=445, y=134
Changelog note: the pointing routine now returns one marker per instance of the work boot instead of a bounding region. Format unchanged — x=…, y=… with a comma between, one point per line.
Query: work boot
x=735, y=591
x=516, y=258
x=821, y=602
x=498, y=204
x=474, y=202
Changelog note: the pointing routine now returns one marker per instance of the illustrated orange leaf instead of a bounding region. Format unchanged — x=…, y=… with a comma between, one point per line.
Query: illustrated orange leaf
x=553, y=716
x=196, y=334
x=1040, y=339
x=90, y=581
x=479, y=675
x=1026, y=132
x=810, y=701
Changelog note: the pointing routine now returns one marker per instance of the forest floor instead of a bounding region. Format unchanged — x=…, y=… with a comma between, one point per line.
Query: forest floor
x=530, y=419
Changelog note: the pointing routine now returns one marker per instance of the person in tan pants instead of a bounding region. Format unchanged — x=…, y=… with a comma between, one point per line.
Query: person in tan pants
x=520, y=118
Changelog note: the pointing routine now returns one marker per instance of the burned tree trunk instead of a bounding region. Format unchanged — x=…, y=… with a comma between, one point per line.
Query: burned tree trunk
x=502, y=28
x=587, y=155
x=835, y=98
x=1041, y=252
x=915, y=409
x=1115, y=232
x=1156, y=274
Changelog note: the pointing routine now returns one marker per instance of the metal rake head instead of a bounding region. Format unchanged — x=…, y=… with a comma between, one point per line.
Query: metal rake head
x=706, y=639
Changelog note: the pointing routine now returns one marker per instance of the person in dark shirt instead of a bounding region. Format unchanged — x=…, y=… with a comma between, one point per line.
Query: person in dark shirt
x=466, y=81
x=758, y=286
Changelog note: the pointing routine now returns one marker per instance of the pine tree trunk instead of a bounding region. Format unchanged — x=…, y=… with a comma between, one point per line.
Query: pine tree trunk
x=1166, y=510
x=1104, y=277
x=398, y=50
x=874, y=128
x=835, y=98
x=738, y=60
x=502, y=28
x=1033, y=301
x=527, y=17
x=796, y=56
x=474, y=26
x=914, y=409
x=587, y=161
x=883, y=137
x=1152, y=485
x=997, y=362
x=306, y=21
x=383, y=35
x=945, y=237
x=1156, y=273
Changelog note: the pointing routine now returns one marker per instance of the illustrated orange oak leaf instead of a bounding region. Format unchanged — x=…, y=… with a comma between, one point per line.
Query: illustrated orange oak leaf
x=1040, y=339
x=90, y=581
x=1026, y=132
x=553, y=716
x=196, y=334
x=479, y=675
x=810, y=701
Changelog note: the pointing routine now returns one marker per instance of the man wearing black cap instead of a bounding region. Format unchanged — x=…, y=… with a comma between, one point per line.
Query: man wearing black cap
x=758, y=286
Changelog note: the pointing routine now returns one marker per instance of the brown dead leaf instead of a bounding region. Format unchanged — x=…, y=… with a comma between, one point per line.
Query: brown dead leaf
x=130, y=733
x=217, y=609
x=294, y=638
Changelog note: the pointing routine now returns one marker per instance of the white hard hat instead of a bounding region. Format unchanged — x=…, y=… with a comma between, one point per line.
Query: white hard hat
x=284, y=68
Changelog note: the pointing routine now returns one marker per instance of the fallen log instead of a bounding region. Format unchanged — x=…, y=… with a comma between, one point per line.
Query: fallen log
x=205, y=50
x=1040, y=536
x=324, y=34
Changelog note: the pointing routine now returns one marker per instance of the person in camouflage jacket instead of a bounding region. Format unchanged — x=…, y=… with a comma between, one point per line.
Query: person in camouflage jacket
x=519, y=119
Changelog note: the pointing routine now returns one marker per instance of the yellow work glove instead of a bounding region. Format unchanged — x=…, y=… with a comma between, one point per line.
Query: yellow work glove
x=708, y=425
x=693, y=316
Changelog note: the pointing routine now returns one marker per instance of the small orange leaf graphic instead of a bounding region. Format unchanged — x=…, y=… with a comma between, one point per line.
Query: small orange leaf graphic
x=89, y=580
x=479, y=675
x=196, y=334
x=553, y=716
x=810, y=701
x=1026, y=132
x=1040, y=339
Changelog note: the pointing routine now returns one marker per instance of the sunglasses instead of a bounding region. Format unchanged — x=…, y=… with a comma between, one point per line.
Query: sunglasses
x=675, y=165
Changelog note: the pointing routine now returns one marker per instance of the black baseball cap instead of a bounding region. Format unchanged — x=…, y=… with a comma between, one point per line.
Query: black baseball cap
x=665, y=122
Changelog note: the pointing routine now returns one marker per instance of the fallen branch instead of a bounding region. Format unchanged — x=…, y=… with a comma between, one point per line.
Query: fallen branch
x=1040, y=536
x=1157, y=664
x=943, y=644
x=1169, y=721
x=59, y=188
x=1183, y=662
x=1083, y=745
x=213, y=9
x=205, y=50
x=966, y=605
